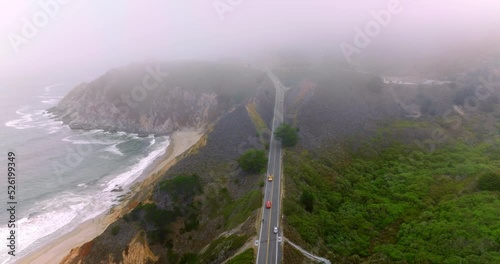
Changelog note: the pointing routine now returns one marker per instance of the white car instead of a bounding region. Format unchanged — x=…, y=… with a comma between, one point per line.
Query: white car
x=275, y=230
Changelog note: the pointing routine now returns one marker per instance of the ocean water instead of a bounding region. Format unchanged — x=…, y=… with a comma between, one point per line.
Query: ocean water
x=63, y=176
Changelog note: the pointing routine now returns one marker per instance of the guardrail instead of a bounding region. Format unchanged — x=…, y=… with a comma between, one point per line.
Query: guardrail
x=307, y=254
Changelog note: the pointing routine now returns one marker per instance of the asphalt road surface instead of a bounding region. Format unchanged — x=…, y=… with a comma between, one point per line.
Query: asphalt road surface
x=269, y=248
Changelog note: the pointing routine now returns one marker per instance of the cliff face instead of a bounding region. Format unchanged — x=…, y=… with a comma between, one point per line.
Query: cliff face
x=158, y=98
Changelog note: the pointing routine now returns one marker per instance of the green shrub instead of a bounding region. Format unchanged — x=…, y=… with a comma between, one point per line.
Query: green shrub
x=115, y=230
x=182, y=186
x=287, y=134
x=247, y=257
x=489, y=182
x=307, y=200
x=253, y=161
x=237, y=211
x=189, y=258
x=191, y=221
x=154, y=220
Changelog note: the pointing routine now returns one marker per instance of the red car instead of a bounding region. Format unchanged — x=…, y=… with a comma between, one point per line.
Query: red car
x=268, y=204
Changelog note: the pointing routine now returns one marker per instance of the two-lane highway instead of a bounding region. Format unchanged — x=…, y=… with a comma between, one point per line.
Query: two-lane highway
x=269, y=250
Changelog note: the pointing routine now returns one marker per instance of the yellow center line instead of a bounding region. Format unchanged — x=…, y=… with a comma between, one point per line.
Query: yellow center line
x=269, y=220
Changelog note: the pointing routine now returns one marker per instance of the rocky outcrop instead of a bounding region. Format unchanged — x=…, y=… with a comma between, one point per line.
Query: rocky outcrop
x=157, y=98
x=137, y=251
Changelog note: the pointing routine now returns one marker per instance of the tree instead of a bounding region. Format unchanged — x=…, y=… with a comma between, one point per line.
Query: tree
x=489, y=182
x=307, y=200
x=115, y=230
x=253, y=161
x=287, y=134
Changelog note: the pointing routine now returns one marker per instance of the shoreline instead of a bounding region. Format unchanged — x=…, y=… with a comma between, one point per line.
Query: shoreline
x=59, y=248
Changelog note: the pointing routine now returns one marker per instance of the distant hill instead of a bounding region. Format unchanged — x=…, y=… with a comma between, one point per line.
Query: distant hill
x=390, y=173
x=158, y=98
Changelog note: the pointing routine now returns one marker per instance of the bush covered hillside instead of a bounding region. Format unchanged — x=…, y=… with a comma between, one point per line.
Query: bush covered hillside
x=397, y=188
x=397, y=205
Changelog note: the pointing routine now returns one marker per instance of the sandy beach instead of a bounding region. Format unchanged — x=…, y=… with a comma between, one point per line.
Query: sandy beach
x=56, y=250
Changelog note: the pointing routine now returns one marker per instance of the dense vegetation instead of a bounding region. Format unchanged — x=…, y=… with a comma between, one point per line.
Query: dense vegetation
x=182, y=186
x=287, y=134
x=489, y=181
x=156, y=221
x=237, y=211
x=253, y=161
x=397, y=205
x=153, y=220
x=246, y=257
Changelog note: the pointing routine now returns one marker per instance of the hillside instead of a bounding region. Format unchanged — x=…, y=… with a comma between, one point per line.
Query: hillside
x=390, y=172
x=384, y=172
x=203, y=209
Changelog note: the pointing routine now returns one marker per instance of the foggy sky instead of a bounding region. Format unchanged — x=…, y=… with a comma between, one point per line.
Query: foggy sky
x=87, y=37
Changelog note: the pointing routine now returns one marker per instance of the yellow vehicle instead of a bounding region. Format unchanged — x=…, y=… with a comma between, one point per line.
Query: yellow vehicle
x=270, y=177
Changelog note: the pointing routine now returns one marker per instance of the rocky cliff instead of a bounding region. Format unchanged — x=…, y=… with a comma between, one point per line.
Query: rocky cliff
x=158, y=98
